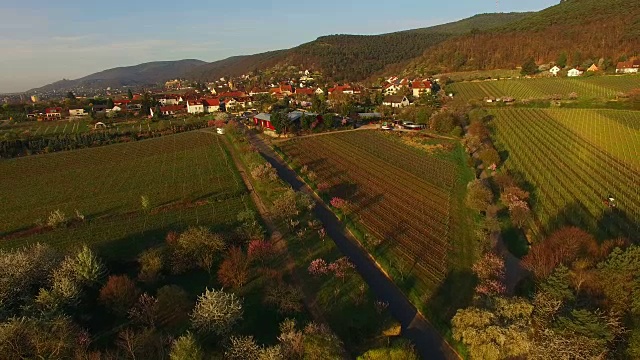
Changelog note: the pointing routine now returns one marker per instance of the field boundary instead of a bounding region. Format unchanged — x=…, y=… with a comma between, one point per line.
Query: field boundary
x=419, y=321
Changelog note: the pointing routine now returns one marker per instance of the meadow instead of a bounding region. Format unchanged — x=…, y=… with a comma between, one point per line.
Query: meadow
x=407, y=202
x=542, y=88
x=188, y=179
x=572, y=160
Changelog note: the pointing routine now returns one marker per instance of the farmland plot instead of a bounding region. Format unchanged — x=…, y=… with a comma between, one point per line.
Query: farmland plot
x=574, y=159
x=188, y=179
x=592, y=87
x=399, y=194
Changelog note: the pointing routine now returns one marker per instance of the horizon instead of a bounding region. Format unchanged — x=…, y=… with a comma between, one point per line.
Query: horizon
x=62, y=41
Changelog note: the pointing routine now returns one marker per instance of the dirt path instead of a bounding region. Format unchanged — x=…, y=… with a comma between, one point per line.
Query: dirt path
x=514, y=270
x=429, y=343
x=276, y=237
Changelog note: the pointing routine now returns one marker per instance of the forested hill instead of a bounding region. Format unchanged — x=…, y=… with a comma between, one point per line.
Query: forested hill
x=354, y=57
x=137, y=75
x=584, y=30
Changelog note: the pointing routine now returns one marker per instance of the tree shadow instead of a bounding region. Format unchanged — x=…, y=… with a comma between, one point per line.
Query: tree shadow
x=454, y=293
x=613, y=223
x=344, y=190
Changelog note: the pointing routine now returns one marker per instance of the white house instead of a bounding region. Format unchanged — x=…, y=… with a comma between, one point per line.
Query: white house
x=195, y=107
x=574, y=72
x=396, y=101
x=77, y=112
x=420, y=87
x=628, y=67
x=554, y=70
x=319, y=91
x=170, y=100
x=211, y=105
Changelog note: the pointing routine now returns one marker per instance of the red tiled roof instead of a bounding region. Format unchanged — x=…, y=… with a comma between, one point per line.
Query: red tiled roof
x=421, y=85
x=284, y=88
x=232, y=94
x=211, y=102
x=305, y=91
x=631, y=64
x=171, y=108
x=275, y=90
x=53, y=110
x=194, y=102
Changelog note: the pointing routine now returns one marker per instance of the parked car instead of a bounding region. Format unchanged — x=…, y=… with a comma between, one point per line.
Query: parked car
x=386, y=126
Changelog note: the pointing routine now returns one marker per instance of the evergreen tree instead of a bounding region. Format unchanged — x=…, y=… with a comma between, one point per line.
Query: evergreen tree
x=529, y=67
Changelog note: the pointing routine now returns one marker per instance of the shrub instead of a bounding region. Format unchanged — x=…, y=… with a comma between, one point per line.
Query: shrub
x=151, y=262
x=186, y=348
x=57, y=219
x=216, y=311
x=286, y=298
x=119, y=294
x=234, y=270
x=196, y=247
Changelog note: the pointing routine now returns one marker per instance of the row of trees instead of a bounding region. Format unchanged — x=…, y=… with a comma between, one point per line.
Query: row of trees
x=582, y=307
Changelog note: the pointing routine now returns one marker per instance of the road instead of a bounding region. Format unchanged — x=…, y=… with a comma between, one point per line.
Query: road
x=428, y=342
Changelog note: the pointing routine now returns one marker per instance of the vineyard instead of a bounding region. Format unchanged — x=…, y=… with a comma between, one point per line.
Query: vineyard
x=574, y=159
x=61, y=127
x=399, y=194
x=187, y=178
x=587, y=87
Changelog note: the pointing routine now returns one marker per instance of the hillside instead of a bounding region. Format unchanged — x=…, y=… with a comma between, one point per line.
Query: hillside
x=138, y=75
x=585, y=30
x=354, y=57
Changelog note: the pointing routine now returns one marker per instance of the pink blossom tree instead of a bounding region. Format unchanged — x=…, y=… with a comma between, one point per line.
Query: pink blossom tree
x=341, y=267
x=318, y=267
x=260, y=250
x=491, y=275
x=338, y=203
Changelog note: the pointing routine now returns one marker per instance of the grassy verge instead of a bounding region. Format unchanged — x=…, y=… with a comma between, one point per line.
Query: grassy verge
x=347, y=305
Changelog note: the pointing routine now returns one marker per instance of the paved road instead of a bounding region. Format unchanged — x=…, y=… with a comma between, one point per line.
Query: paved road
x=415, y=327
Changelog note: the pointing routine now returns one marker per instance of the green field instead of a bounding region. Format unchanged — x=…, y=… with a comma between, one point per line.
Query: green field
x=188, y=178
x=585, y=87
x=572, y=160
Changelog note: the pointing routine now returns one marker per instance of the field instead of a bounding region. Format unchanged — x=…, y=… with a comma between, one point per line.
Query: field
x=480, y=74
x=574, y=159
x=188, y=179
x=61, y=127
x=586, y=87
x=402, y=197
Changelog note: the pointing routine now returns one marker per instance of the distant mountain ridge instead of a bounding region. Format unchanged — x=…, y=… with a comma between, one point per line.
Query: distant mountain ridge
x=584, y=30
x=353, y=57
x=137, y=75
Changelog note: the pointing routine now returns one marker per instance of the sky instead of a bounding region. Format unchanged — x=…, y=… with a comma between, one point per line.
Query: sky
x=42, y=41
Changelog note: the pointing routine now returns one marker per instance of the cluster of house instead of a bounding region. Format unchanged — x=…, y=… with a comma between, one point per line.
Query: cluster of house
x=55, y=113
x=624, y=67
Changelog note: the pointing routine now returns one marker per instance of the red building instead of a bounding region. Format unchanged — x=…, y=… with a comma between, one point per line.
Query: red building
x=263, y=120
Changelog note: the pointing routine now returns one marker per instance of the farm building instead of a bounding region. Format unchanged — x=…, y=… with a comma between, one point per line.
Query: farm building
x=53, y=113
x=263, y=120
x=554, y=70
x=628, y=67
x=77, y=112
